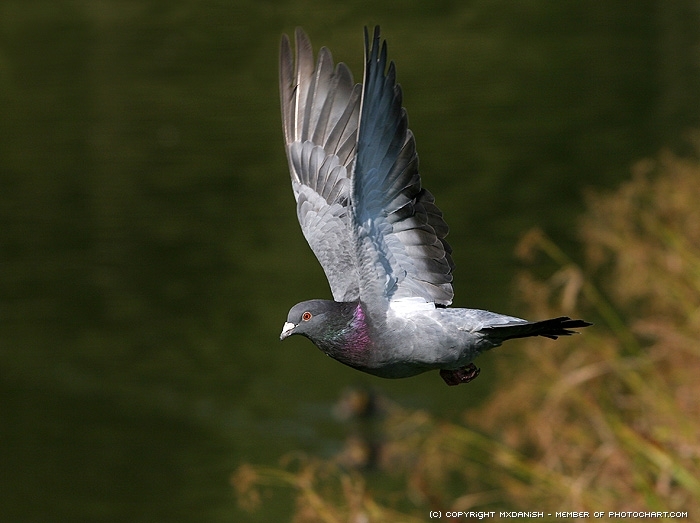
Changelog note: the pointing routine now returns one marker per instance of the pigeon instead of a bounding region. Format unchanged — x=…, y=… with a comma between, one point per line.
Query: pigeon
x=374, y=229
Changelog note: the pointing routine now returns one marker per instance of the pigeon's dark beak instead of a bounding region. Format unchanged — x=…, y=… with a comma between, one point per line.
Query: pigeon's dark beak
x=287, y=330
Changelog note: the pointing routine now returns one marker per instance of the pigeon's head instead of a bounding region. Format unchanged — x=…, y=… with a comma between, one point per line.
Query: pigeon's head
x=339, y=329
x=310, y=318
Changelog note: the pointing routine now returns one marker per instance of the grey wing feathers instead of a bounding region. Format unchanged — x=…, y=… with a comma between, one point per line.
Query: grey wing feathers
x=320, y=113
x=377, y=234
x=401, y=232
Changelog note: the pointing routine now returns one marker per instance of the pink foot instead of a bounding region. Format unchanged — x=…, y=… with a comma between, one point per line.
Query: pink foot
x=461, y=375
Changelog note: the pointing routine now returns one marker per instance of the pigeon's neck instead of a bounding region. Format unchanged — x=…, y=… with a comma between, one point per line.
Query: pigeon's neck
x=349, y=340
x=358, y=335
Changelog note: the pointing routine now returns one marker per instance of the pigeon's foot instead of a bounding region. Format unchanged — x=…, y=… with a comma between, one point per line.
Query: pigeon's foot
x=461, y=375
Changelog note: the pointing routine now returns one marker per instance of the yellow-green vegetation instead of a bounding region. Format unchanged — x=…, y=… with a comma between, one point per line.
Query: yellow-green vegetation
x=608, y=420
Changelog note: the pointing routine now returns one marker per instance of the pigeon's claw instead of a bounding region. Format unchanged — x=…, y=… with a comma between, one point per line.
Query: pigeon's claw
x=461, y=375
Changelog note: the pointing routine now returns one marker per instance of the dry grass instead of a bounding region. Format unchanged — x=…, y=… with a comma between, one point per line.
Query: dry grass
x=608, y=420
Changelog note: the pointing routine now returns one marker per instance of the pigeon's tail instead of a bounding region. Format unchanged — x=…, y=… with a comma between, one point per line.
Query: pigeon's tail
x=548, y=328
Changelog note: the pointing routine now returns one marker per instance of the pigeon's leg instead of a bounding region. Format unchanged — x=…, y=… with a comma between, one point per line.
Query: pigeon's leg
x=461, y=375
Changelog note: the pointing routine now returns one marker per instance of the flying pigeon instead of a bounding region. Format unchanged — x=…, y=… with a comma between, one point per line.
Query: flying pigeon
x=375, y=230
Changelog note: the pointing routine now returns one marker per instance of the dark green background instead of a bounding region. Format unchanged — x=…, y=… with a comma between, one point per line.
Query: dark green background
x=149, y=249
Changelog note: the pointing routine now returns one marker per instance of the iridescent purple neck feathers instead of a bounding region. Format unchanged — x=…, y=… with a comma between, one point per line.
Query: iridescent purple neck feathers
x=358, y=337
x=347, y=340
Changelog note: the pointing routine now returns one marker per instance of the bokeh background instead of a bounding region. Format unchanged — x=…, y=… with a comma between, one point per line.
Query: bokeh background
x=149, y=249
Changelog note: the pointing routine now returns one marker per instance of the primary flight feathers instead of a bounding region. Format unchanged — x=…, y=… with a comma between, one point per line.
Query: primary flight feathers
x=354, y=167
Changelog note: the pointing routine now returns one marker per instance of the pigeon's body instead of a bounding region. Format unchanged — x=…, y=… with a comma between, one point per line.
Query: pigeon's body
x=377, y=233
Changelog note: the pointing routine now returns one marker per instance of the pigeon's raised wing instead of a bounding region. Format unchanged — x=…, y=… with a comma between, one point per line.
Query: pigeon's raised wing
x=400, y=233
x=320, y=114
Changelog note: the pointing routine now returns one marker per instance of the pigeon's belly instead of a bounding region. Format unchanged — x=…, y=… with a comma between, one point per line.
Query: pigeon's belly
x=395, y=370
x=412, y=342
x=420, y=341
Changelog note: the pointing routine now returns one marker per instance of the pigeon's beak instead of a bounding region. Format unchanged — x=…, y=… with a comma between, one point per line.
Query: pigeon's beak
x=287, y=330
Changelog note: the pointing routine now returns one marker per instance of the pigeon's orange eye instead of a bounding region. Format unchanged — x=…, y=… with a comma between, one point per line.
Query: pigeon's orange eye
x=306, y=316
